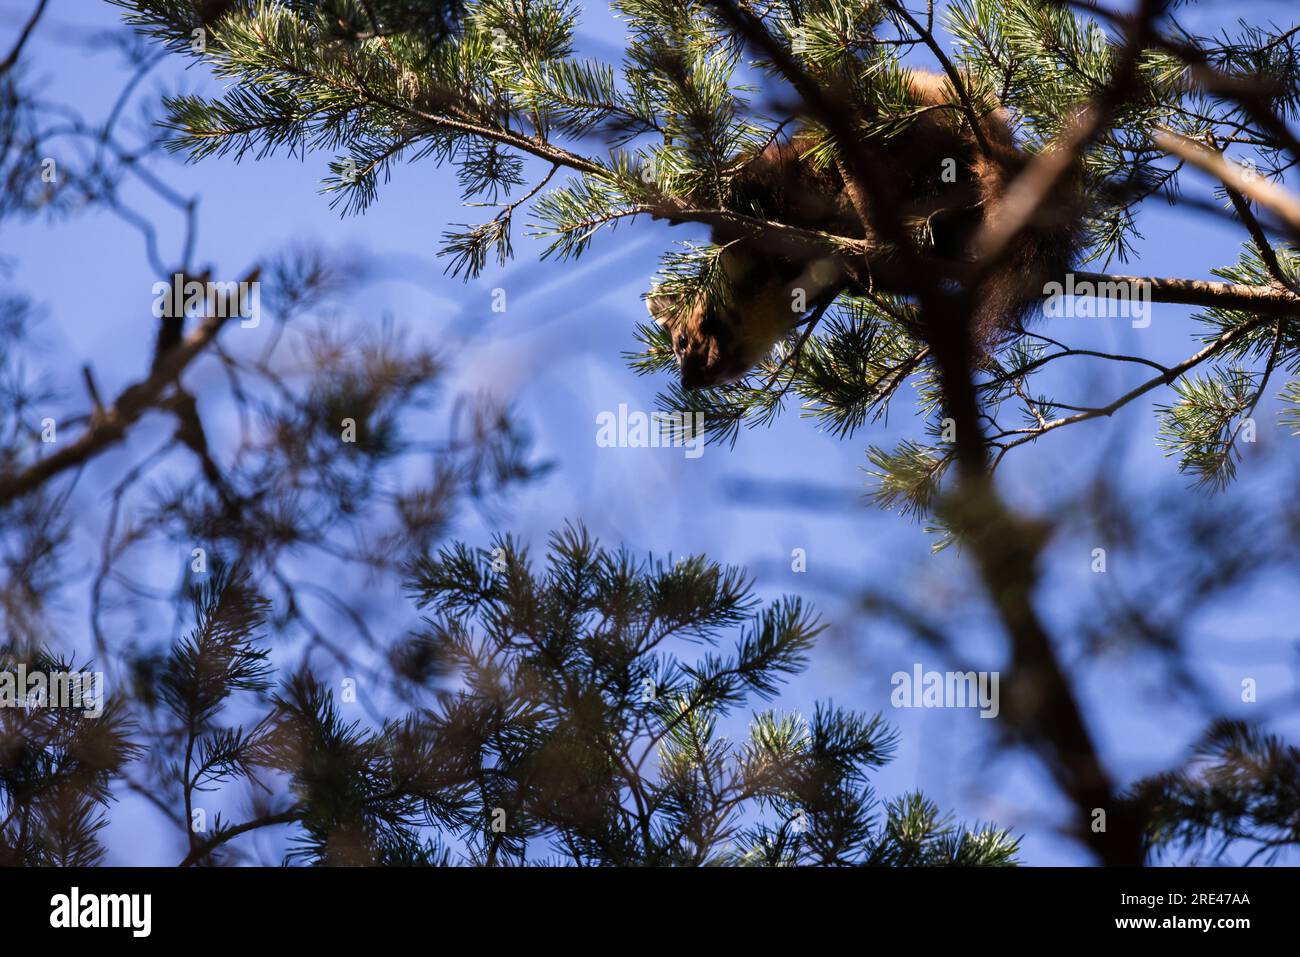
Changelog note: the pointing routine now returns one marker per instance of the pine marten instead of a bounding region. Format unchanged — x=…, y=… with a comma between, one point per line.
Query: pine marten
x=947, y=188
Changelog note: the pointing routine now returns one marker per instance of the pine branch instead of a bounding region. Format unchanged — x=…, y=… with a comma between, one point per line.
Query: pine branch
x=130, y=405
x=16, y=51
x=1266, y=300
x=203, y=849
x=1267, y=194
x=1226, y=340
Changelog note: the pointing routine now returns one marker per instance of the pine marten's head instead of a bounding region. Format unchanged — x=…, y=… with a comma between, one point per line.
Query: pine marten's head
x=717, y=340
x=705, y=339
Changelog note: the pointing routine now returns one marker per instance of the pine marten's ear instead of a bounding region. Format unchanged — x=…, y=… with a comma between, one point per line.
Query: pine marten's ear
x=662, y=306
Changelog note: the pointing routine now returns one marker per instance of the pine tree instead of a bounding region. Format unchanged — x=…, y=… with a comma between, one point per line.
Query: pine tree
x=562, y=727
x=1241, y=785
x=507, y=102
x=58, y=766
x=1122, y=103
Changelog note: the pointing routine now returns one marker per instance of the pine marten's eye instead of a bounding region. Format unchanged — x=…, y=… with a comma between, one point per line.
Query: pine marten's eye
x=681, y=342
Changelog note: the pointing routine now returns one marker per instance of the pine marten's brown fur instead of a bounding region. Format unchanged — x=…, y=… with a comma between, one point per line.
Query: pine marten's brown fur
x=946, y=187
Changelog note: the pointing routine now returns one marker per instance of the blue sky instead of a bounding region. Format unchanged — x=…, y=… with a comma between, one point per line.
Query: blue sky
x=555, y=352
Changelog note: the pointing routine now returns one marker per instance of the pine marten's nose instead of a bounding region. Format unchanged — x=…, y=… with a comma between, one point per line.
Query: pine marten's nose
x=696, y=373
